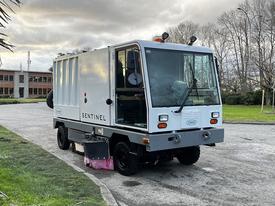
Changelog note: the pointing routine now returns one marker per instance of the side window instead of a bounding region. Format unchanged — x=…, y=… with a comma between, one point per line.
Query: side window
x=134, y=77
x=128, y=69
x=121, y=68
x=204, y=72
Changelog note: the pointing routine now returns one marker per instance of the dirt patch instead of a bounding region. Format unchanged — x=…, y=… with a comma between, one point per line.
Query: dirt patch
x=131, y=183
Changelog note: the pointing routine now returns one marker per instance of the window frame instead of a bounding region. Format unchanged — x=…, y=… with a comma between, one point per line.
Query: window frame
x=6, y=90
x=11, y=91
x=142, y=70
x=11, y=78
x=193, y=54
x=21, y=78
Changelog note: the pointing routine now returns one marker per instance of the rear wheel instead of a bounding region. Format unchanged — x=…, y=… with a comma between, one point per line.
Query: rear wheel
x=62, y=138
x=125, y=162
x=50, y=100
x=189, y=155
x=73, y=147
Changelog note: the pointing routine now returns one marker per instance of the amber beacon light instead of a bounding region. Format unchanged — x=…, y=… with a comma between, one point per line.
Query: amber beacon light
x=162, y=125
x=213, y=121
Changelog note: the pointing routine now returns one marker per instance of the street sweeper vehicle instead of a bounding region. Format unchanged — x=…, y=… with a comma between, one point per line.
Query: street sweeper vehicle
x=138, y=102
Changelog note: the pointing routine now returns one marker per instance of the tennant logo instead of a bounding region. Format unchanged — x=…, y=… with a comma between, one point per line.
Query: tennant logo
x=191, y=122
x=99, y=117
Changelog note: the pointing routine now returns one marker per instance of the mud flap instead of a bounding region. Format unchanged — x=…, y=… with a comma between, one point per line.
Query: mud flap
x=97, y=156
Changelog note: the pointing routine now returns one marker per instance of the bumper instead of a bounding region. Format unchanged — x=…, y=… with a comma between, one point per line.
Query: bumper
x=184, y=139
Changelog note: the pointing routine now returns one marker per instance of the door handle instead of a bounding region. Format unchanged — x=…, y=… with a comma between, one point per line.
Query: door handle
x=109, y=101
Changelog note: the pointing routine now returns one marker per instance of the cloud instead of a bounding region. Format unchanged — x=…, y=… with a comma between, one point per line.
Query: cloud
x=49, y=27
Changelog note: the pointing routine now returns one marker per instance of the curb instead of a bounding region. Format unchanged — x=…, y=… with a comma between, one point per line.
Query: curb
x=252, y=123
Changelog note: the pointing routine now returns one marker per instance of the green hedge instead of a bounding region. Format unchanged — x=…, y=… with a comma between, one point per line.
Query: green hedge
x=250, y=98
x=19, y=101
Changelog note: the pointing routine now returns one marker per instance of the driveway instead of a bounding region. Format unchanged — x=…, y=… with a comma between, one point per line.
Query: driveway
x=239, y=171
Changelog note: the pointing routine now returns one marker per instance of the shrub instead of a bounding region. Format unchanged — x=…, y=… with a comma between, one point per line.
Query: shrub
x=250, y=98
x=232, y=99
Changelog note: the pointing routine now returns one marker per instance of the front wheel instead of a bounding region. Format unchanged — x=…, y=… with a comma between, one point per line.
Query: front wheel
x=125, y=162
x=189, y=155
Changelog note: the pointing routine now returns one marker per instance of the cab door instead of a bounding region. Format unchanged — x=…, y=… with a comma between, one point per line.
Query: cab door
x=130, y=104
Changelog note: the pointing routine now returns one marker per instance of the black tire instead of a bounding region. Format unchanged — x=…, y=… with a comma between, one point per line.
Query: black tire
x=50, y=99
x=73, y=147
x=62, y=138
x=189, y=155
x=125, y=162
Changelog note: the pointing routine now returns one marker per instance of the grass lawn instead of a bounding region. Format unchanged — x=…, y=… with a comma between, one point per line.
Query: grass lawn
x=19, y=101
x=242, y=113
x=32, y=176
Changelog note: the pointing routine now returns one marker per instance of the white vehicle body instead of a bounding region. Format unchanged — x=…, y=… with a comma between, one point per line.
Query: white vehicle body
x=92, y=73
x=154, y=96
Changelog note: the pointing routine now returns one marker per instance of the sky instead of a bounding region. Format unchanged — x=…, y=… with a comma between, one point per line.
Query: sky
x=48, y=27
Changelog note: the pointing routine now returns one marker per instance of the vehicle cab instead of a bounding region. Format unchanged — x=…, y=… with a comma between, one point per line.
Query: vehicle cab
x=161, y=87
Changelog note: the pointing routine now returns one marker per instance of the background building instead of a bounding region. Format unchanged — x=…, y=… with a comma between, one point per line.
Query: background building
x=25, y=84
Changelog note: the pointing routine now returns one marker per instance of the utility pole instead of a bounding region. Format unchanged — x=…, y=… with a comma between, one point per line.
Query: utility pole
x=29, y=60
x=21, y=67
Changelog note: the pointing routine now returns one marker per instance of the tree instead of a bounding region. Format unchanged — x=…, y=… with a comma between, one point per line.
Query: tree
x=260, y=18
x=238, y=35
x=243, y=40
x=217, y=38
x=183, y=32
x=5, y=9
x=264, y=37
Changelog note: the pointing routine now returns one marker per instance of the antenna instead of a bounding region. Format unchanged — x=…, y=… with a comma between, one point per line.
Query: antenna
x=21, y=68
x=29, y=60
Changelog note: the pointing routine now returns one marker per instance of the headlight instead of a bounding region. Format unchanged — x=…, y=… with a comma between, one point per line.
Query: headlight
x=163, y=118
x=215, y=115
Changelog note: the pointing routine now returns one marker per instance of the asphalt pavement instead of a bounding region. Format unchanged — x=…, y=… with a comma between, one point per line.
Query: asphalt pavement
x=239, y=171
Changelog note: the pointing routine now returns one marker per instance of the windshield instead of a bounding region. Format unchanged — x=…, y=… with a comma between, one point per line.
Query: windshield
x=172, y=75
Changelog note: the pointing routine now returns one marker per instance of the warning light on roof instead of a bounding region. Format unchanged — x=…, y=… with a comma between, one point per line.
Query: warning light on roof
x=164, y=36
x=161, y=38
x=157, y=38
x=192, y=40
